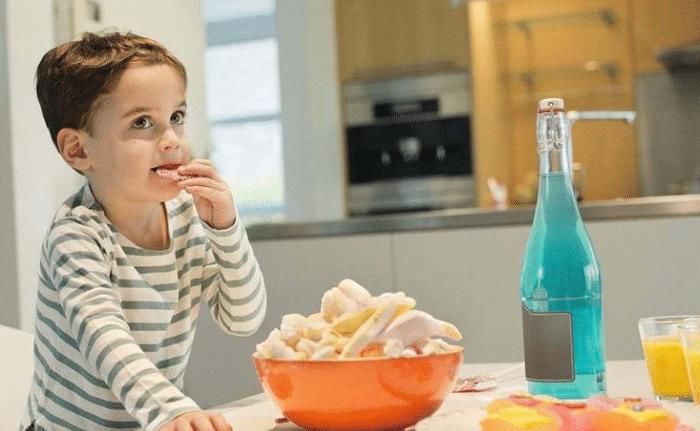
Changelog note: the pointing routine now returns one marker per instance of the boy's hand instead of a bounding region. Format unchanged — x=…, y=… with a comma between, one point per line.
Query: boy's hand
x=212, y=196
x=197, y=421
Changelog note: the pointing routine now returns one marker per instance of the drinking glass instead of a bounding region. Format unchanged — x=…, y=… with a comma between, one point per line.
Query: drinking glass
x=665, y=360
x=690, y=339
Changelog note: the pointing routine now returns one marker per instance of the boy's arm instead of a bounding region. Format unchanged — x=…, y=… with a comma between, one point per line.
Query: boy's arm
x=80, y=274
x=233, y=284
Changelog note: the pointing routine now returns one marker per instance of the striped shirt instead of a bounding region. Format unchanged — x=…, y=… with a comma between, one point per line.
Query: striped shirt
x=115, y=322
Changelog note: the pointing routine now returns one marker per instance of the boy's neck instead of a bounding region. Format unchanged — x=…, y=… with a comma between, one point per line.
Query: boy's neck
x=143, y=223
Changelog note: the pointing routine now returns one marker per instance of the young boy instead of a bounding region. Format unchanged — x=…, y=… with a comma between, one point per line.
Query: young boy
x=130, y=257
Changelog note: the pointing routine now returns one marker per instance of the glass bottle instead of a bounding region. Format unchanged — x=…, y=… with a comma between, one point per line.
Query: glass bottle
x=560, y=285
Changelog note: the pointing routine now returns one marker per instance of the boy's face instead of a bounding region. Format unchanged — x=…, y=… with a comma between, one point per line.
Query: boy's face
x=139, y=127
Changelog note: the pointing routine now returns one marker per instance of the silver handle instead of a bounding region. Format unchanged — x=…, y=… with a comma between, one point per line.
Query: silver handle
x=574, y=116
x=627, y=116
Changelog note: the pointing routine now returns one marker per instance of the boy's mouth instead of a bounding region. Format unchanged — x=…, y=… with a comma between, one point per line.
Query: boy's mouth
x=169, y=171
x=167, y=166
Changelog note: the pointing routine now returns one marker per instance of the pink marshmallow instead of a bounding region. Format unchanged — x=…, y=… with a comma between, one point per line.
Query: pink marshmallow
x=171, y=174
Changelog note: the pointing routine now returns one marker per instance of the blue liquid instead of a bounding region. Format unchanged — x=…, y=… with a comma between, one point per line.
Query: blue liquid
x=560, y=274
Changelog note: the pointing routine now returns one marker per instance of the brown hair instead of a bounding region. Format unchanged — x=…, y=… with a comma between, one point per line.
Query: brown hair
x=71, y=77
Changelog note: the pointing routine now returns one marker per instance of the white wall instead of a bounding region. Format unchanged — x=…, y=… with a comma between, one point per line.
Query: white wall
x=41, y=181
x=9, y=311
x=313, y=154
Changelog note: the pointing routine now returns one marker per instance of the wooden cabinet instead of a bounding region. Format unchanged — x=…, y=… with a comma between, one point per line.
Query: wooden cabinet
x=662, y=24
x=579, y=51
x=588, y=52
x=378, y=38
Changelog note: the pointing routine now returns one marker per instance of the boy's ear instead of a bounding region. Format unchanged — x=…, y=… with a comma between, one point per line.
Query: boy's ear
x=71, y=146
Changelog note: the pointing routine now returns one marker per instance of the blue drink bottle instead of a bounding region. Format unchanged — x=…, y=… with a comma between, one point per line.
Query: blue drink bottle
x=560, y=281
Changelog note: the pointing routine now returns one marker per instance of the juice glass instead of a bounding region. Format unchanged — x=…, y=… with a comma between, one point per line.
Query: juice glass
x=663, y=352
x=690, y=339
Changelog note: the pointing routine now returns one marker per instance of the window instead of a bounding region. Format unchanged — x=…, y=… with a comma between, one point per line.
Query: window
x=242, y=80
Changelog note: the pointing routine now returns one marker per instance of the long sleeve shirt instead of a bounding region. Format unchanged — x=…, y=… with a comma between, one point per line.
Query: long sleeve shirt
x=115, y=322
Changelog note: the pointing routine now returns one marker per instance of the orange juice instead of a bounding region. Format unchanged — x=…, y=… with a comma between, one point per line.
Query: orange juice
x=666, y=364
x=693, y=358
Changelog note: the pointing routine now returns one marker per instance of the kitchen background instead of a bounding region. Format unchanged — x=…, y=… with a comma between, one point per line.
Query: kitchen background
x=318, y=110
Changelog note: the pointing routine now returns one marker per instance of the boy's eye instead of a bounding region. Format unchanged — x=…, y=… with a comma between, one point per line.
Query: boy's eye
x=142, y=123
x=178, y=117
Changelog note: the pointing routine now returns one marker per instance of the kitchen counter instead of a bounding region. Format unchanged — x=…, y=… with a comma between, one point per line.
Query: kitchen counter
x=649, y=207
x=463, y=411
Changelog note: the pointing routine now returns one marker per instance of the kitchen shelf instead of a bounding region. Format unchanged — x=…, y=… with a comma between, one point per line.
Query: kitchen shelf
x=607, y=16
x=529, y=77
x=404, y=70
x=573, y=93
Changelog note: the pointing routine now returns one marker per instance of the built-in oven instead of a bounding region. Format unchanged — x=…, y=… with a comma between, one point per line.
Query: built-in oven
x=409, y=143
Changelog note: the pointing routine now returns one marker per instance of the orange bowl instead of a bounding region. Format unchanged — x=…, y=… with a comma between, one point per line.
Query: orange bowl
x=359, y=394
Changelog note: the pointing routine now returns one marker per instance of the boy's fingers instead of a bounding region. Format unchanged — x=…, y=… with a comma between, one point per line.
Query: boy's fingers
x=213, y=196
x=198, y=169
x=204, y=182
x=220, y=423
x=202, y=423
x=183, y=425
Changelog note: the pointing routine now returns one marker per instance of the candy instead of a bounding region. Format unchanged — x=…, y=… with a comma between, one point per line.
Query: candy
x=514, y=418
x=413, y=325
x=170, y=174
x=525, y=412
x=354, y=324
x=635, y=418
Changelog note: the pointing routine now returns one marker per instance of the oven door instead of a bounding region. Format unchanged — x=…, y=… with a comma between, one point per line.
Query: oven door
x=424, y=164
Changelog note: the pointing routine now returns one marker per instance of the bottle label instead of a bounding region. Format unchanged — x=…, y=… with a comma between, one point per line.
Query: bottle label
x=549, y=349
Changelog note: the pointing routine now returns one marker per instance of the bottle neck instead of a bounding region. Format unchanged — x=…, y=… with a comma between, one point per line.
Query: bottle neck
x=556, y=195
x=553, y=143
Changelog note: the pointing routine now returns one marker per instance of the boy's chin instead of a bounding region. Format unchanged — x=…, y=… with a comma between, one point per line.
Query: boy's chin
x=168, y=193
x=171, y=195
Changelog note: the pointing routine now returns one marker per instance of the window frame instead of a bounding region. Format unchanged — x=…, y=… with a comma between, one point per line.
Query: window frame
x=230, y=31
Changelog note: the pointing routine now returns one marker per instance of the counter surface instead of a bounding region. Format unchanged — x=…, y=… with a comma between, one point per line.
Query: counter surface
x=463, y=411
x=666, y=206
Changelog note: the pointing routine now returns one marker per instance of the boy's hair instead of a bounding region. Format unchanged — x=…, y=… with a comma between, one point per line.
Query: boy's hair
x=72, y=77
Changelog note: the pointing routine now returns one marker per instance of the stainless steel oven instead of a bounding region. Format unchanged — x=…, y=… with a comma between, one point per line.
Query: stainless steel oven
x=409, y=143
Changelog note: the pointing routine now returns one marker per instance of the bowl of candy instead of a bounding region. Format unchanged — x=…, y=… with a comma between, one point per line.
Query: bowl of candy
x=362, y=363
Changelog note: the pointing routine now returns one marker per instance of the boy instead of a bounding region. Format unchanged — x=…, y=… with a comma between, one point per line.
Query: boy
x=128, y=259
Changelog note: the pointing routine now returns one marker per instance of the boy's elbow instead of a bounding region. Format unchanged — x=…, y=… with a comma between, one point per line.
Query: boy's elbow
x=249, y=326
x=261, y=310
x=260, y=316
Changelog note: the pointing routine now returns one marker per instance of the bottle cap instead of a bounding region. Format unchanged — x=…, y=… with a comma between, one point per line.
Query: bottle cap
x=557, y=105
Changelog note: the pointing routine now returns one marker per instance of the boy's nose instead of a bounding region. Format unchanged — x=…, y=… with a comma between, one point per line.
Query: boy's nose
x=169, y=140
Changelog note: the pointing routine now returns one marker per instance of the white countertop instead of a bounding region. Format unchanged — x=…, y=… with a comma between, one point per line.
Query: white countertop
x=463, y=411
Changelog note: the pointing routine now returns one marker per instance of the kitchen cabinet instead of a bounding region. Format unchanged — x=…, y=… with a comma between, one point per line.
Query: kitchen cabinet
x=590, y=53
x=576, y=50
x=660, y=25
x=379, y=38
x=467, y=276
x=471, y=277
